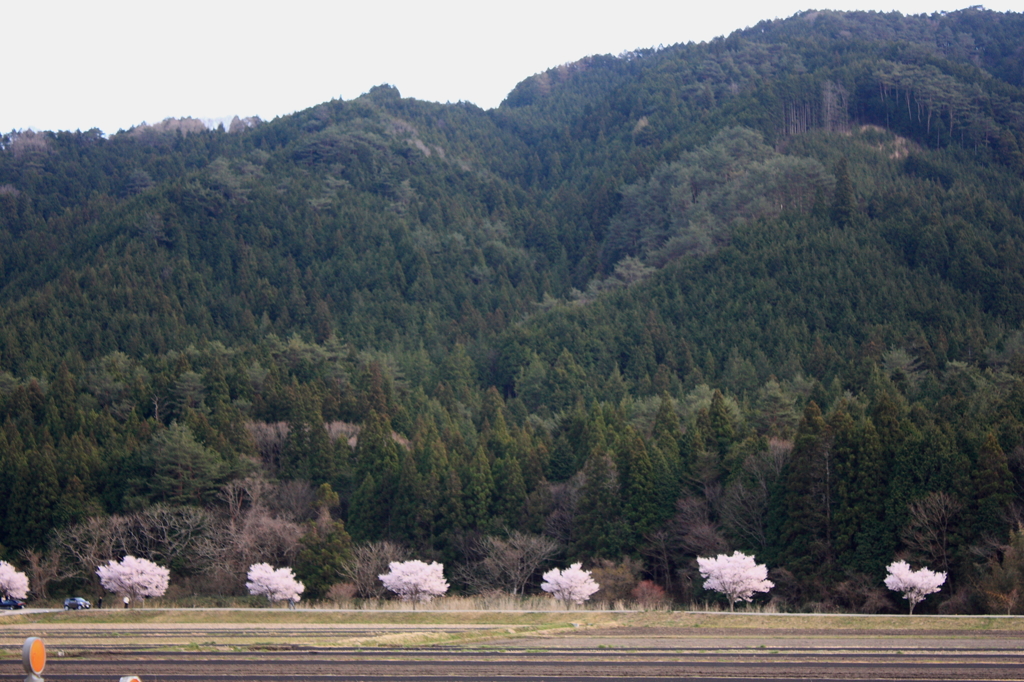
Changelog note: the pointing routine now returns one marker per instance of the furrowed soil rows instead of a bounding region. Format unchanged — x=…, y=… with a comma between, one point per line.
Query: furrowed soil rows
x=236, y=652
x=469, y=665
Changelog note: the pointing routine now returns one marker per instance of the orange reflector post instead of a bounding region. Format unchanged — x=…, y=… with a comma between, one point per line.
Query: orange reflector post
x=33, y=656
x=130, y=678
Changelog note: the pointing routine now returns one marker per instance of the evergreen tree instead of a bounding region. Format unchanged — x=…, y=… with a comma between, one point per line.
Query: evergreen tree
x=993, y=486
x=861, y=539
x=600, y=529
x=666, y=459
x=667, y=431
x=378, y=467
x=721, y=424
x=36, y=498
x=803, y=542
x=63, y=396
x=692, y=456
x=179, y=469
x=308, y=454
x=325, y=550
x=575, y=436
x=495, y=431
x=509, y=493
x=451, y=518
x=643, y=509
x=842, y=198
x=367, y=516
x=12, y=459
x=412, y=519
x=479, y=492
x=707, y=461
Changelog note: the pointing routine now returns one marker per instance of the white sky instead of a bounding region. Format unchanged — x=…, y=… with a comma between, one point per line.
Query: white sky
x=112, y=64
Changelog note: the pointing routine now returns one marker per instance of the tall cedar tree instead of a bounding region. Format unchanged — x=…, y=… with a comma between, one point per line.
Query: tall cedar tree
x=600, y=529
x=842, y=199
x=642, y=502
x=993, y=489
x=308, y=454
x=509, y=493
x=324, y=551
x=378, y=469
x=861, y=543
x=804, y=542
x=479, y=491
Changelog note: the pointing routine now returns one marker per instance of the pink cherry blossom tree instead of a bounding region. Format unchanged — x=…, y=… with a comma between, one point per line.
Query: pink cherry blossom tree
x=415, y=581
x=134, y=578
x=572, y=585
x=13, y=583
x=737, y=576
x=915, y=585
x=276, y=584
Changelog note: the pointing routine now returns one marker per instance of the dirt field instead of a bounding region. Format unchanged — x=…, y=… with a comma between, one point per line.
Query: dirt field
x=192, y=645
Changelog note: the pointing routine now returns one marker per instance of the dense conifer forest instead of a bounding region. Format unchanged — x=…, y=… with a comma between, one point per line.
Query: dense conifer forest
x=764, y=293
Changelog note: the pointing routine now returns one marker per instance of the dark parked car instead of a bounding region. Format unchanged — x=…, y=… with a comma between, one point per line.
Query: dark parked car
x=76, y=603
x=12, y=604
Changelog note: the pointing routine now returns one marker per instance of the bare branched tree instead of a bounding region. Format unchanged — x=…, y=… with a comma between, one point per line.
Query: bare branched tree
x=295, y=500
x=257, y=537
x=269, y=439
x=1003, y=581
x=744, y=506
x=616, y=578
x=693, y=529
x=507, y=564
x=86, y=545
x=219, y=545
x=659, y=548
x=250, y=492
x=368, y=562
x=931, y=521
x=44, y=570
x=167, y=535
x=565, y=498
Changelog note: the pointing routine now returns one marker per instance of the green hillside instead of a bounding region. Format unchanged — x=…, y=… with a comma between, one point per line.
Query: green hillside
x=763, y=294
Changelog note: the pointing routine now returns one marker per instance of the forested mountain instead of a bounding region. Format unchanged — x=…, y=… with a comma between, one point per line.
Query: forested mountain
x=763, y=293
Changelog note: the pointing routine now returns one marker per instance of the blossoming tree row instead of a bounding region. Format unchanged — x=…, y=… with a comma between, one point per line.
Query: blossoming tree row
x=737, y=576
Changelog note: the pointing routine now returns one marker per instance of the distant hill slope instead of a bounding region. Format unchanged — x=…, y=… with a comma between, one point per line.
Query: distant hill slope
x=534, y=192
x=761, y=293
x=365, y=219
